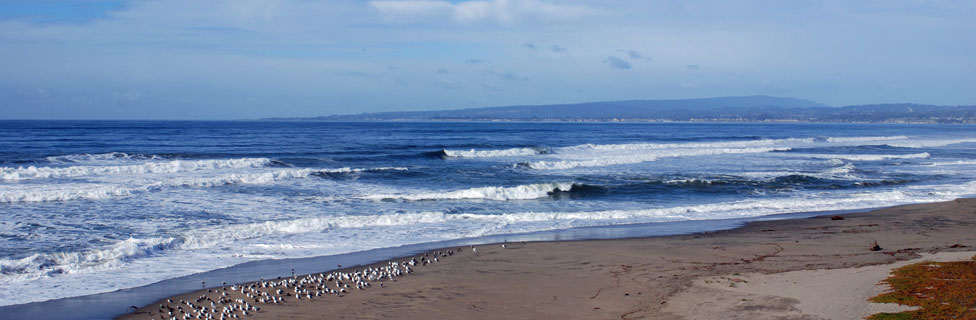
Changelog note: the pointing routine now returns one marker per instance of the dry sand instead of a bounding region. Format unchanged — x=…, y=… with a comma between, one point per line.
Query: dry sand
x=775, y=268
x=804, y=294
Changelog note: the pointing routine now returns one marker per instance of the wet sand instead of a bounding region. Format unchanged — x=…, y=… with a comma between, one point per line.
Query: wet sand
x=764, y=270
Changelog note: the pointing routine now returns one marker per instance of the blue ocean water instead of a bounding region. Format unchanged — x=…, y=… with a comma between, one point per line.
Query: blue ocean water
x=95, y=206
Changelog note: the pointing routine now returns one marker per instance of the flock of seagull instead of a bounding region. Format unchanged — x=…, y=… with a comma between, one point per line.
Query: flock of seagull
x=238, y=301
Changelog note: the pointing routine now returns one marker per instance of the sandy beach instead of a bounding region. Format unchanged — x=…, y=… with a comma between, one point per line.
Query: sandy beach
x=816, y=268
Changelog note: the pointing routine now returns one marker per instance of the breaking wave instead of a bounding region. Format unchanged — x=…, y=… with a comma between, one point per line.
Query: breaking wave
x=952, y=163
x=175, y=166
x=100, y=157
x=53, y=264
x=865, y=139
x=94, y=191
x=634, y=158
x=696, y=145
x=868, y=157
x=930, y=143
x=513, y=152
x=123, y=252
x=63, y=192
x=269, y=177
x=523, y=192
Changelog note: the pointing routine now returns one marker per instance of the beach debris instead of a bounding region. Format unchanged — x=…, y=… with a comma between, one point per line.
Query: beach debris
x=874, y=246
x=836, y=218
x=958, y=246
x=902, y=251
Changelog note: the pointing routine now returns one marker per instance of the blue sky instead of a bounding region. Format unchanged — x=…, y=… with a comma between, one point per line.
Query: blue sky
x=239, y=59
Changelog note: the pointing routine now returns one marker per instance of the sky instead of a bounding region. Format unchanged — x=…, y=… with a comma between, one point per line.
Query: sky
x=246, y=59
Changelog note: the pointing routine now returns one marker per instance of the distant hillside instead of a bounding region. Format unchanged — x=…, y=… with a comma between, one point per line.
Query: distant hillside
x=750, y=108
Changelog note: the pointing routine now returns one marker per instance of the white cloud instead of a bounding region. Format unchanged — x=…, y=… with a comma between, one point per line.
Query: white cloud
x=412, y=8
x=500, y=11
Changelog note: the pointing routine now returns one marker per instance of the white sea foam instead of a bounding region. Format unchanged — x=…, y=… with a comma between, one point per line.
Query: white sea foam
x=22, y=173
x=62, y=192
x=839, y=171
x=598, y=155
x=513, y=152
x=866, y=157
x=168, y=257
x=187, y=223
x=19, y=192
x=692, y=145
x=354, y=170
x=952, y=163
x=634, y=158
x=930, y=143
x=523, y=192
x=866, y=139
x=47, y=265
x=121, y=253
x=241, y=178
x=266, y=177
x=842, y=171
x=100, y=158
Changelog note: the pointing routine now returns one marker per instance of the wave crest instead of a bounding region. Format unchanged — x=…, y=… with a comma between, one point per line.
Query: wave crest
x=40, y=265
x=16, y=193
x=99, y=157
x=63, y=192
x=695, y=145
x=523, y=192
x=513, y=152
x=609, y=160
x=869, y=157
x=175, y=166
x=865, y=139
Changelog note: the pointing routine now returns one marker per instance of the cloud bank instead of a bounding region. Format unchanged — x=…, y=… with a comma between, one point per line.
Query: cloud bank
x=497, y=11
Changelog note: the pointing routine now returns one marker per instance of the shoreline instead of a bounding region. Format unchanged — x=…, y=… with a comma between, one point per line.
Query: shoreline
x=108, y=305
x=666, y=264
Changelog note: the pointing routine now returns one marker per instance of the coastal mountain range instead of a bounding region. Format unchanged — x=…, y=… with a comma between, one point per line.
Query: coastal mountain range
x=727, y=109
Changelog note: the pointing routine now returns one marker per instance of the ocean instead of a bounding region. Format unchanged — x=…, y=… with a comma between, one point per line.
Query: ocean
x=95, y=206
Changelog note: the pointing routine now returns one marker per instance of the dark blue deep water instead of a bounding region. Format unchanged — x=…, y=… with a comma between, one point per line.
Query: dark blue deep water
x=88, y=207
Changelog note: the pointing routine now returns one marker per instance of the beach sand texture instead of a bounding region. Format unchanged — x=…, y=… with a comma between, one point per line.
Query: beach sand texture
x=765, y=270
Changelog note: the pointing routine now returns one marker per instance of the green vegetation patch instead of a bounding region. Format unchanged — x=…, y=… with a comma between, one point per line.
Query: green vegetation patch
x=941, y=290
